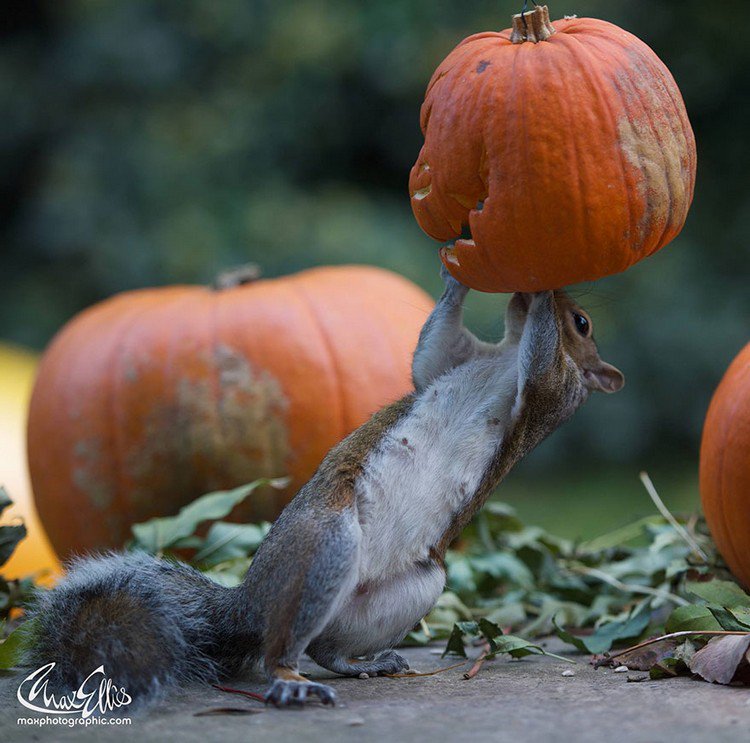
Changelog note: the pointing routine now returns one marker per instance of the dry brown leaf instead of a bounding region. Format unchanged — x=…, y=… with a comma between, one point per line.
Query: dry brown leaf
x=720, y=659
x=644, y=658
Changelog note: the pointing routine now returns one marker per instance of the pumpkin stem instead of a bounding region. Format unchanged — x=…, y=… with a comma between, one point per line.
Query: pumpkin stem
x=533, y=26
x=237, y=276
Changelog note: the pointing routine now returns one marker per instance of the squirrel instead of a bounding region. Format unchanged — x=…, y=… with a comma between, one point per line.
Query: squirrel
x=356, y=559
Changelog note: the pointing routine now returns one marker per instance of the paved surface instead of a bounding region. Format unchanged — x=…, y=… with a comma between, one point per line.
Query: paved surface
x=528, y=700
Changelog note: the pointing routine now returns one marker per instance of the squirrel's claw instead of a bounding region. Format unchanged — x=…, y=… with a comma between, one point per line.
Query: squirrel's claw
x=284, y=693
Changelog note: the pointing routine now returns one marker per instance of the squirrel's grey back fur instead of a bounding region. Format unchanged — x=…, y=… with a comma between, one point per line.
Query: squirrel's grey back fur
x=151, y=623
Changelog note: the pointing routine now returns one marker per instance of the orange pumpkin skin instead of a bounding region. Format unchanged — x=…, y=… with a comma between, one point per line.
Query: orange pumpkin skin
x=578, y=149
x=725, y=466
x=154, y=397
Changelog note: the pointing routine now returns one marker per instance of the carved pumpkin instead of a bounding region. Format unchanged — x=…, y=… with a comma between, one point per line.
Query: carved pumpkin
x=153, y=397
x=725, y=466
x=565, y=148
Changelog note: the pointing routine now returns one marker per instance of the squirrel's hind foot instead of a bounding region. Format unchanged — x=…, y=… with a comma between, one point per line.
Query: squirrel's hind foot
x=284, y=693
x=385, y=664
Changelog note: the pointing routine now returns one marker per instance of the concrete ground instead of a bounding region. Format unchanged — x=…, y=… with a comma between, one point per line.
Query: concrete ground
x=528, y=700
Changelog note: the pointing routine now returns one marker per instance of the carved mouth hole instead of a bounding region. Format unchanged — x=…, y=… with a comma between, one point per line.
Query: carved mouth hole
x=422, y=193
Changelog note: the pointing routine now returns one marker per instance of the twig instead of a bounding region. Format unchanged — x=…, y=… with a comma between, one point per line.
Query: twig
x=242, y=692
x=664, y=511
x=428, y=673
x=474, y=670
x=672, y=636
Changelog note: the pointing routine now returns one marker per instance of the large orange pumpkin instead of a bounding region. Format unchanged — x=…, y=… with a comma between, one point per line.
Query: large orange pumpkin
x=725, y=466
x=153, y=397
x=565, y=148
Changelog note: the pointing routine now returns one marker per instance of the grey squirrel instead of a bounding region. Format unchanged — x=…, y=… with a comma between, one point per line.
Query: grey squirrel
x=356, y=559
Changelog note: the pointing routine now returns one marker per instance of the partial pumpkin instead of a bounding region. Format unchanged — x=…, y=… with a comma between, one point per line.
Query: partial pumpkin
x=564, y=147
x=725, y=467
x=33, y=555
x=154, y=397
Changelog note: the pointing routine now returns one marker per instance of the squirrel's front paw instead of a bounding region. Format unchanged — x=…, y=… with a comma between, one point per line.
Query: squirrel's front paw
x=540, y=300
x=452, y=284
x=284, y=693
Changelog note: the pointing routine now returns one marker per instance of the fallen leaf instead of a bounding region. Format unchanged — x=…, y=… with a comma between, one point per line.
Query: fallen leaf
x=692, y=617
x=645, y=658
x=718, y=592
x=720, y=659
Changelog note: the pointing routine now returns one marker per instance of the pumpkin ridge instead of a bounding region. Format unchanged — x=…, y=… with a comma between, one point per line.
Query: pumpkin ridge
x=598, y=84
x=572, y=140
x=115, y=416
x=172, y=350
x=638, y=166
x=657, y=132
x=485, y=91
x=326, y=341
x=740, y=382
x=634, y=98
x=664, y=78
x=215, y=371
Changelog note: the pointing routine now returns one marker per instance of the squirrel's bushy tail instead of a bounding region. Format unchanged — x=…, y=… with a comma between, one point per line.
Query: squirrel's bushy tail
x=152, y=624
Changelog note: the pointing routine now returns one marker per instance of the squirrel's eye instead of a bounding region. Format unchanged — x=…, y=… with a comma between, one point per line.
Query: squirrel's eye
x=582, y=324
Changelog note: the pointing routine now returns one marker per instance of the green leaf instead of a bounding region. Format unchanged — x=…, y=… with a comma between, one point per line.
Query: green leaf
x=226, y=541
x=718, y=592
x=10, y=536
x=606, y=634
x=668, y=668
x=503, y=566
x=741, y=614
x=158, y=534
x=13, y=648
x=727, y=620
x=455, y=644
x=460, y=574
x=566, y=636
x=489, y=630
x=518, y=647
x=692, y=617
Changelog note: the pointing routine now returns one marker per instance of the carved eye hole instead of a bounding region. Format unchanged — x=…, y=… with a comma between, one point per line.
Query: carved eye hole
x=583, y=326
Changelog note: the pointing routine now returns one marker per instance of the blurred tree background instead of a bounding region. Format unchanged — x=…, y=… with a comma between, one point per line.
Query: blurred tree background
x=159, y=141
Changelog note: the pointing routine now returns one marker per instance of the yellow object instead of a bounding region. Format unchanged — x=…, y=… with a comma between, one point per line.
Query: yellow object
x=34, y=555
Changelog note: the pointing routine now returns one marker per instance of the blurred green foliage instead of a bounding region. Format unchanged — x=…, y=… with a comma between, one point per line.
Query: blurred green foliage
x=159, y=141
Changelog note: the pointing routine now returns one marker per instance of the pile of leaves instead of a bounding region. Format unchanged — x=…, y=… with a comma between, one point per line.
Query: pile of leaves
x=510, y=584
x=657, y=585
x=659, y=578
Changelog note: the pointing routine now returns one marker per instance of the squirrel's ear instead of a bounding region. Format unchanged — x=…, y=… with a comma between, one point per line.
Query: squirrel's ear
x=605, y=378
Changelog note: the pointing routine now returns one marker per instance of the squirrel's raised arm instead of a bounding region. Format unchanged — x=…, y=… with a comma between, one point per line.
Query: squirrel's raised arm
x=444, y=342
x=558, y=363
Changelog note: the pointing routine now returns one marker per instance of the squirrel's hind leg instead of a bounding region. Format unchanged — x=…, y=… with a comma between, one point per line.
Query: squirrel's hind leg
x=385, y=663
x=300, y=576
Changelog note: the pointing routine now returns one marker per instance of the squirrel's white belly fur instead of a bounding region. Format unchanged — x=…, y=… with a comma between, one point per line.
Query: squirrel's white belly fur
x=429, y=464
